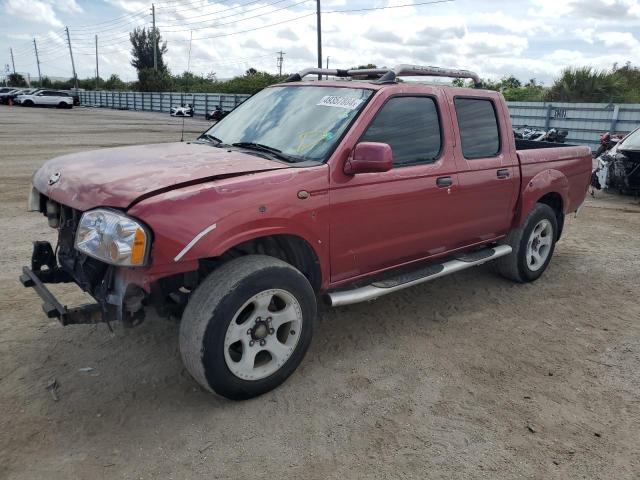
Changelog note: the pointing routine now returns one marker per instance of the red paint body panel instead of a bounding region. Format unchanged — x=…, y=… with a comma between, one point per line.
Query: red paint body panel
x=357, y=225
x=116, y=177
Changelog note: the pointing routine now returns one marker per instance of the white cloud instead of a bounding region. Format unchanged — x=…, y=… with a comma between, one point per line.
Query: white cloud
x=528, y=38
x=33, y=11
x=623, y=40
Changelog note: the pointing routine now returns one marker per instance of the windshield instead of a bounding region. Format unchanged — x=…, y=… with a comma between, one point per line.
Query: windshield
x=631, y=142
x=301, y=122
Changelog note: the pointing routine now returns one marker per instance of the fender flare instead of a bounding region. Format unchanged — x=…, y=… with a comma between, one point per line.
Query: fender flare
x=545, y=182
x=223, y=241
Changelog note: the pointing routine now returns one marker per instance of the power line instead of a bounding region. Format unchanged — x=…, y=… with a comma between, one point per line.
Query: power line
x=389, y=6
x=186, y=19
x=237, y=21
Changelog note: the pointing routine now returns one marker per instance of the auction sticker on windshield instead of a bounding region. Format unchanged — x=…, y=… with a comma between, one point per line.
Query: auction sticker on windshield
x=349, y=103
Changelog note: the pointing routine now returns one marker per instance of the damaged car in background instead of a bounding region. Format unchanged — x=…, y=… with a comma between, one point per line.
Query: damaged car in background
x=618, y=169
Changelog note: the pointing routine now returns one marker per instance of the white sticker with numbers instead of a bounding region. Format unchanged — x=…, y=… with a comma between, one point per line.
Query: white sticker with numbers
x=349, y=103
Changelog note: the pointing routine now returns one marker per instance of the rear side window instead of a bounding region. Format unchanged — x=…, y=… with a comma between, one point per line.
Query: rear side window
x=410, y=125
x=478, y=126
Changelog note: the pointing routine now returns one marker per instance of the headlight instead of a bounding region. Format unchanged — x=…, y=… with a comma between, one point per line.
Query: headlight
x=113, y=238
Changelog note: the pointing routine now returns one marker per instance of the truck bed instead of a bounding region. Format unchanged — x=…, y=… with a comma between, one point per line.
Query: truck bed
x=534, y=144
x=567, y=165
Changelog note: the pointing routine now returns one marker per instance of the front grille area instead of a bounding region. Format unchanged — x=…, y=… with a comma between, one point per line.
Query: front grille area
x=86, y=271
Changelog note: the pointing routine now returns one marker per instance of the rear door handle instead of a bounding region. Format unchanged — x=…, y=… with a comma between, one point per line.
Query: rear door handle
x=503, y=173
x=443, y=182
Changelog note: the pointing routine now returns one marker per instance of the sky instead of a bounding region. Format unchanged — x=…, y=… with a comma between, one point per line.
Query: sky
x=495, y=38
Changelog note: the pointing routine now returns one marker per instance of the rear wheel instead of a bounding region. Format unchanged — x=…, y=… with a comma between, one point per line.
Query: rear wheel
x=533, y=244
x=247, y=326
x=28, y=103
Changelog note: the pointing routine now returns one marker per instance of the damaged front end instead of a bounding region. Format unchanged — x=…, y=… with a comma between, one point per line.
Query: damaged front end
x=619, y=171
x=117, y=296
x=619, y=168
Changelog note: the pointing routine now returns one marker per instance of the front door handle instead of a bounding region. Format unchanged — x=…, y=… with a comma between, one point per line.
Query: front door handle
x=443, y=182
x=503, y=173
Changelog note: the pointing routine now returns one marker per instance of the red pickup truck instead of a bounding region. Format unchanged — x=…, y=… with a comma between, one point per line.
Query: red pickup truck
x=346, y=190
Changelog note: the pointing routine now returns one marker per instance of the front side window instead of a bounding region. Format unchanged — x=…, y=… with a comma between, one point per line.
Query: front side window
x=302, y=122
x=478, y=126
x=410, y=125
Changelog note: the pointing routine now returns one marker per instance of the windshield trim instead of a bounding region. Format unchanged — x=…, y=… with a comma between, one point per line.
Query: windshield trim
x=338, y=141
x=620, y=145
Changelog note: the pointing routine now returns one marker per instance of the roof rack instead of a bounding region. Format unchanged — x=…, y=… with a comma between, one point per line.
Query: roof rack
x=389, y=75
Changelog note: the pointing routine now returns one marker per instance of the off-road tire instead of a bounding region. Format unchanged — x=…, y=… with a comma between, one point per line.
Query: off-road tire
x=211, y=309
x=515, y=265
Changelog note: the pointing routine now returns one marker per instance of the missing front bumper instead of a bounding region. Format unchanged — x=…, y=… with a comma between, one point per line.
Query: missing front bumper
x=116, y=299
x=89, y=313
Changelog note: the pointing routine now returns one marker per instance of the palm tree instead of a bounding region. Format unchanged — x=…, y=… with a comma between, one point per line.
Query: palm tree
x=586, y=84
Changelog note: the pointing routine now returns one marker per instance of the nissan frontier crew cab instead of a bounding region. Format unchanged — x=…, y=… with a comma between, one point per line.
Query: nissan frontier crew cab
x=345, y=190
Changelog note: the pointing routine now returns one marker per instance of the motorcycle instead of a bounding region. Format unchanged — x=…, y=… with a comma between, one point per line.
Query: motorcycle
x=553, y=135
x=217, y=114
x=182, y=111
x=607, y=142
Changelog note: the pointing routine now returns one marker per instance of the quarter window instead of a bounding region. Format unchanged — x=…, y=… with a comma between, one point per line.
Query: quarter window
x=478, y=127
x=410, y=125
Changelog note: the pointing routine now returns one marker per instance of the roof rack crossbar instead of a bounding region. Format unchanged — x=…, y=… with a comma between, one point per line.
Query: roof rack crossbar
x=387, y=75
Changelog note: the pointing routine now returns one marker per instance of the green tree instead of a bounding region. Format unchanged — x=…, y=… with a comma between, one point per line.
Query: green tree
x=586, y=84
x=151, y=81
x=509, y=82
x=630, y=75
x=142, y=43
x=114, y=83
x=16, y=80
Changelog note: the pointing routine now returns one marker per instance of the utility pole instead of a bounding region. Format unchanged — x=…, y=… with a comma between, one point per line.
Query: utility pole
x=97, y=70
x=319, y=31
x=13, y=64
x=280, y=60
x=73, y=65
x=155, y=39
x=35, y=47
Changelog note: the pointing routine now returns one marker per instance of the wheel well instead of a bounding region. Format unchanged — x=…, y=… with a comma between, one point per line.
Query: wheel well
x=554, y=200
x=292, y=249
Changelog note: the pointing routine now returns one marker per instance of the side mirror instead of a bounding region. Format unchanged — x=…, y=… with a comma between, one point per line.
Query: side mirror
x=369, y=157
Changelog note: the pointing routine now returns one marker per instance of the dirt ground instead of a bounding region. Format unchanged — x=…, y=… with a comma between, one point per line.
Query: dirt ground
x=470, y=376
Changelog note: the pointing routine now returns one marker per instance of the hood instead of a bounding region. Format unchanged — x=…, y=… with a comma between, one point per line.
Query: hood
x=117, y=177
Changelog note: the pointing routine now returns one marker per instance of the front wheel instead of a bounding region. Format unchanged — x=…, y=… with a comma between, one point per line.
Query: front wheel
x=248, y=326
x=533, y=244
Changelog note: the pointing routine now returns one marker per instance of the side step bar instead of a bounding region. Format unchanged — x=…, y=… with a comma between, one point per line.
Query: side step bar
x=424, y=274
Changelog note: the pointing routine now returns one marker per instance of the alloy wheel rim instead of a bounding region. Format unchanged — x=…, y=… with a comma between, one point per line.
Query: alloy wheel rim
x=539, y=245
x=263, y=334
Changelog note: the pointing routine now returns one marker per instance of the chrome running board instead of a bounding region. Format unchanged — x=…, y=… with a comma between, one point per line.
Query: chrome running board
x=421, y=275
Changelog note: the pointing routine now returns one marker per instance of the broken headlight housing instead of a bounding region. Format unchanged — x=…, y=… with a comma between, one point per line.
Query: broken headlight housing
x=114, y=238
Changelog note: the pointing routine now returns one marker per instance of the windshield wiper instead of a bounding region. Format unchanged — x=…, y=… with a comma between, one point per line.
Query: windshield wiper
x=265, y=148
x=209, y=137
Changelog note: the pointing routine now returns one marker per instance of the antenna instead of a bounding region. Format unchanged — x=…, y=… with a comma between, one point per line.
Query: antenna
x=186, y=81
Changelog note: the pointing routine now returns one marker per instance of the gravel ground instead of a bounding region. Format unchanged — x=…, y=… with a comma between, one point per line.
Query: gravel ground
x=470, y=376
